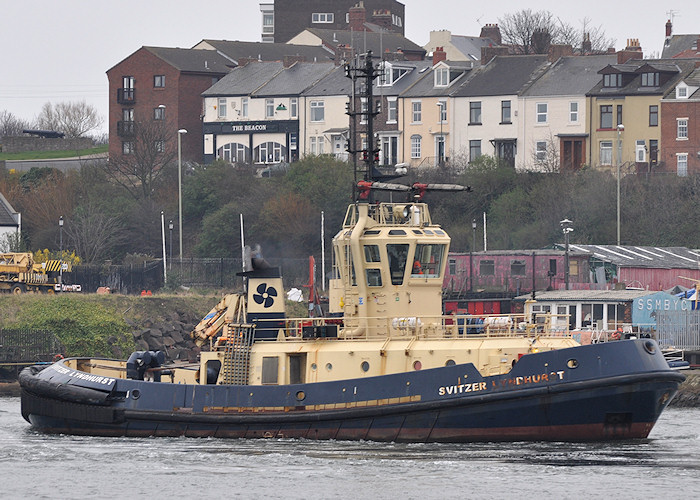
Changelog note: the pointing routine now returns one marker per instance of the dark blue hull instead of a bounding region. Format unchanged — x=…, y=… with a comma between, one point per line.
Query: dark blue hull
x=611, y=391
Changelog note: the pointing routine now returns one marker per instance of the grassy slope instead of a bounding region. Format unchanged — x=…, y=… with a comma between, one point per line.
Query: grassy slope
x=50, y=155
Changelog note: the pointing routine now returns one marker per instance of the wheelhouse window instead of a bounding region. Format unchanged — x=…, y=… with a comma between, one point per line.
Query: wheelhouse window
x=505, y=112
x=475, y=113
x=374, y=277
x=606, y=116
x=317, y=111
x=372, y=253
x=398, y=256
x=428, y=260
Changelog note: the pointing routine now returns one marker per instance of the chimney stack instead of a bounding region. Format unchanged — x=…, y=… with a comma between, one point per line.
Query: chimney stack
x=669, y=27
x=357, y=17
x=493, y=32
x=439, y=54
x=586, y=46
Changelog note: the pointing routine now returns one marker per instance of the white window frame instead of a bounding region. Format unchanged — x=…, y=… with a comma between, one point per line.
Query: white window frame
x=442, y=113
x=442, y=77
x=681, y=129
x=221, y=109
x=294, y=107
x=541, y=111
x=682, y=92
x=640, y=151
x=541, y=151
x=416, y=111
x=268, y=23
x=682, y=164
x=317, y=111
x=606, y=152
x=244, y=107
x=269, y=108
x=392, y=110
x=573, y=112
x=416, y=143
x=322, y=17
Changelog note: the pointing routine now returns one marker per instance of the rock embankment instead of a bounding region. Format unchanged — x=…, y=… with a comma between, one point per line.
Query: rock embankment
x=689, y=392
x=170, y=334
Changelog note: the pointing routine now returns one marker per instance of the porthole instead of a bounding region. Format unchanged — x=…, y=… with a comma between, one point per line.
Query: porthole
x=650, y=347
x=135, y=394
x=450, y=362
x=572, y=363
x=313, y=366
x=301, y=395
x=364, y=366
x=329, y=366
x=417, y=365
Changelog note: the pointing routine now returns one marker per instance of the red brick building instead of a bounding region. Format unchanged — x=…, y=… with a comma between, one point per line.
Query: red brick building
x=679, y=151
x=160, y=89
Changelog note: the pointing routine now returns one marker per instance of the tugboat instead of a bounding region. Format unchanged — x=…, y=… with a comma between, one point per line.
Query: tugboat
x=385, y=365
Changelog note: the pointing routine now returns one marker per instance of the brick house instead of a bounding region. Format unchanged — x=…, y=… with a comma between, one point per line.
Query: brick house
x=679, y=151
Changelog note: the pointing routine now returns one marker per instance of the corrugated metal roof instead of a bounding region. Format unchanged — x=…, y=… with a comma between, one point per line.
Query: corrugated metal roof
x=587, y=295
x=642, y=256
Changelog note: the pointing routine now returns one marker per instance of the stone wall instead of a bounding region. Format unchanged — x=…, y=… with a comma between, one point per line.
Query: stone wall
x=21, y=144
x=170, y=335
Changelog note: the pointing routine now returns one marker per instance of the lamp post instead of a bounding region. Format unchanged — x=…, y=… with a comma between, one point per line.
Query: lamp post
x=566, y=229
x=162, y=232
x=471, y=254
x=170, y=226
x=620, y=129
x=441, y=140
x=60, y=271
x=179, y=186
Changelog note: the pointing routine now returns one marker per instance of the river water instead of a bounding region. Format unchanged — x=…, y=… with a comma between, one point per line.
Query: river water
x=43, y=466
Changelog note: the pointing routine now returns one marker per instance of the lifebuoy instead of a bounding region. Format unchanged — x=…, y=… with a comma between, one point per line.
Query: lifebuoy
x=57, y=357
x=616, y=336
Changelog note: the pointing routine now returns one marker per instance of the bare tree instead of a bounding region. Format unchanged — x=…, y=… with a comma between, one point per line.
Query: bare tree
x=10, y=125
x=517, y=30
x=75, y=119
x=593, y=35
x=93, y=233
x=545, y=156
x=144, y=160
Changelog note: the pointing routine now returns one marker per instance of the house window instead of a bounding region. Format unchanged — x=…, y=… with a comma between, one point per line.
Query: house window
x=474, y=149
x=159, y=113
x=640, y=150
x=222, y=107
x=654, y=115
x=682, y=164
x=159, y=146
x=442, y=111
x=364, y=110
x=573, y=112
x=541, y=112
x=487, y=268
x=294, y=107
x=541, y=151
x=316, y=145
x=682, y=129
x=322, y=17
x=417, y=111
x=392, y=111
x=517, y=268
x=128, y=114
x=606, y=116
x=619, y=114
x=682, y=92
x=612, y=80
x=442, y=77
x=268, y=23
x=415, y=146
x=317, y=111
x=269, y=108
x=606, y=152
x=159, y=81
x=650, y=79
x=244, y=107
x=505, y=112
x=475, y=113
x=127, y=147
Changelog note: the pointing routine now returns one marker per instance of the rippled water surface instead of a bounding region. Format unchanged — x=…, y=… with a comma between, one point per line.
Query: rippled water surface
x=44, y=466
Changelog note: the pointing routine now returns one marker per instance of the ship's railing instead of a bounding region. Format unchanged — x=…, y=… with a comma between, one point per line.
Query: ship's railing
x=428, y=327
x=392, y=214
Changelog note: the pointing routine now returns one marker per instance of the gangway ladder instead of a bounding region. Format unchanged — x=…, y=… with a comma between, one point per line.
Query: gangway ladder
x=236, y=365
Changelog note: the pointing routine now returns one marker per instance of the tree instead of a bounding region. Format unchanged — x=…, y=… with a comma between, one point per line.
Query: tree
x=151, y=152
x=75, y=119
x=517, y=30
x=599, y=41
x=92, y=233
x=10, y=125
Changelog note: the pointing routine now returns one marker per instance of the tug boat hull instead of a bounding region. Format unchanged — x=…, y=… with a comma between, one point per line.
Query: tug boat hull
x=588, y=393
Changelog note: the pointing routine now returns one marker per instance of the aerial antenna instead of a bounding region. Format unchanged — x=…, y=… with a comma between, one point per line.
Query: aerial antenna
x=672, y=14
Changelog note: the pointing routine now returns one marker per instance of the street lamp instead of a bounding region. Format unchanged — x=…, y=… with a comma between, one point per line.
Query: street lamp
x=60, y=271
x=170, y=226
x=441, y=140
x=179, y=185
x=566, y=229
x=162, y=232
x=620, y=129
x=471, y=254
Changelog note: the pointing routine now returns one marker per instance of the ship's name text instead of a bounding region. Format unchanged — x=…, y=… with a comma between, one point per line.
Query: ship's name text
x=98, y=379
x=461, y=388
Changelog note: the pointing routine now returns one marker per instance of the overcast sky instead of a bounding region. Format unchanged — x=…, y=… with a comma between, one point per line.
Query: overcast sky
x=60, y=50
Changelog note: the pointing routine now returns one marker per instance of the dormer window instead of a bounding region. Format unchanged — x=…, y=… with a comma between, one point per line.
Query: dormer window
x=391, y=75
x=442, y=77
x=612, y=80
x=682, y=92
x=650, y=79
x=322, y=17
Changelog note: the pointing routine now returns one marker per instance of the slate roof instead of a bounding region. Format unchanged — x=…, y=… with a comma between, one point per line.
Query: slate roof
x=7, y=213
x=692, y=80
x=503, y=75
x=193, y=61
x=640, y=256
x=236, y=50
x=424, y=85
x=678, y=44
x=294, y=79
x=332, y=84
x=362, y=41
x=571, y=75
x=634, y=87
x=470, y=46
x=244, y=80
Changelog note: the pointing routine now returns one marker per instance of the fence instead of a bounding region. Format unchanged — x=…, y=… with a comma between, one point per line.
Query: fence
x=197, y=272
x=679, y=329
x=28, y=345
